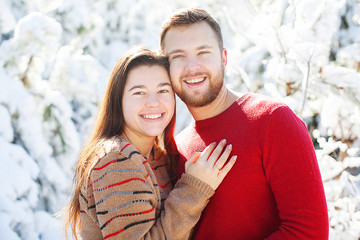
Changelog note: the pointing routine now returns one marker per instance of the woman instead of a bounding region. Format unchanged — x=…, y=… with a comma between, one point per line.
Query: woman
x=124, y=176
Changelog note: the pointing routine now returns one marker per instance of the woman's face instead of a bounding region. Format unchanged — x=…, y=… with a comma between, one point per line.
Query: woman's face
x=148, y=101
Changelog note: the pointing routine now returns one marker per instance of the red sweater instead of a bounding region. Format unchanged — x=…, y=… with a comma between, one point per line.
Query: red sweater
x=274, y=190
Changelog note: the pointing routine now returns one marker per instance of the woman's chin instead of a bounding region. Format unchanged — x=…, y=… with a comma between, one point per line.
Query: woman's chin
x=155, y=132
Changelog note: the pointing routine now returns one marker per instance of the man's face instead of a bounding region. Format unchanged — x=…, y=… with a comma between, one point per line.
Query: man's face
x=196, y=63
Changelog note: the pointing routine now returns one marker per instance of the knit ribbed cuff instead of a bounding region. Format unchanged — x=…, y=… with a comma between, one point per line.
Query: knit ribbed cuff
x=201, y=186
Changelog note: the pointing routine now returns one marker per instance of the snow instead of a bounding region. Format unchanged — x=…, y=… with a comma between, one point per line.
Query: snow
x=6, y=132
x=7, y=19
x=57, y=56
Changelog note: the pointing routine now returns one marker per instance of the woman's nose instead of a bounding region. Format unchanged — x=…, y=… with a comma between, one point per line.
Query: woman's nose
x=152, y=100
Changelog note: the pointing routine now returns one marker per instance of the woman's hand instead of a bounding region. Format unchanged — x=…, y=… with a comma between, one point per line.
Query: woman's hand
x=208, y=166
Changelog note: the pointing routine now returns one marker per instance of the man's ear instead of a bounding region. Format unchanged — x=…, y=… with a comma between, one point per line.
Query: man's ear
x=224, y=56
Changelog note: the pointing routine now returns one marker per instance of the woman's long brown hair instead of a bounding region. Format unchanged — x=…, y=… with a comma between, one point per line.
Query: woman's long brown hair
x=110, y=122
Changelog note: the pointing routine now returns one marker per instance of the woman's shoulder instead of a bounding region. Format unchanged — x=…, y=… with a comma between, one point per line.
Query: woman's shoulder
x=115, y=151
x=116, y=145
x=113, y=144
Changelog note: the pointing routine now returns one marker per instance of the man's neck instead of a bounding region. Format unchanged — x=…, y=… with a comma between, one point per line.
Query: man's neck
x=224, y=100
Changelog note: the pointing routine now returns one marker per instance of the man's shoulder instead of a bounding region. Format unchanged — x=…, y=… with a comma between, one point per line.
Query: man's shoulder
x=271, y=109
x=264, y=102
x=258, y=105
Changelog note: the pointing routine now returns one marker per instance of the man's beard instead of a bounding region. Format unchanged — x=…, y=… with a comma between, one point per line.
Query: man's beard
x=194, y=100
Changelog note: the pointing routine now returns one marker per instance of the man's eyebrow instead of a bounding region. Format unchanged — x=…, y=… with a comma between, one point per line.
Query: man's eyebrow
x=175, y=51
x=137, y=86
x=205, y=46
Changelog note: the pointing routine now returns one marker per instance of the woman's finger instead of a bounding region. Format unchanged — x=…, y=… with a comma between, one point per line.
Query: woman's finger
x=222, y=173
x=224, y=156
x=216, y=153
x=207, y=151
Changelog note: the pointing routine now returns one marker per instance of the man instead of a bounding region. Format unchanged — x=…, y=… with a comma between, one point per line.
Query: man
x=274, y=191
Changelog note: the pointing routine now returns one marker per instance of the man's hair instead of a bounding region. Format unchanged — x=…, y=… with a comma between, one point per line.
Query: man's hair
x=188, y=16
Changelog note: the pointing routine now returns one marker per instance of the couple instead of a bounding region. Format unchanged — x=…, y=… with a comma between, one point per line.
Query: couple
x=134, y=182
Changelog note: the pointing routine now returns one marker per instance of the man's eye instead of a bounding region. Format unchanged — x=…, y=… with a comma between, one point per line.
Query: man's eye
x=204, y=52
x=177, y=56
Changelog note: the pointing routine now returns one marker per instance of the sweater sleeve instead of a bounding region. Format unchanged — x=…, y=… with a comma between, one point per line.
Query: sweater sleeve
x=292, y=171
x=127, y=206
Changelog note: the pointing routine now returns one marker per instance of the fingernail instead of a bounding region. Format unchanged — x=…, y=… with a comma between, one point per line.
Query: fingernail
x=234, y=158
x=229, y=146
x=223, y=141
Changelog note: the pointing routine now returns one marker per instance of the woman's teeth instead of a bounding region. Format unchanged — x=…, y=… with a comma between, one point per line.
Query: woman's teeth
x=152, y=116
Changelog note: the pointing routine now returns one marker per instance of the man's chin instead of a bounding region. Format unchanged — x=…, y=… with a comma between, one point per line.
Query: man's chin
x=197, y=102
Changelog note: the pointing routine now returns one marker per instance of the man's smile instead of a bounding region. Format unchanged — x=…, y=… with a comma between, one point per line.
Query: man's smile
x=194, y=80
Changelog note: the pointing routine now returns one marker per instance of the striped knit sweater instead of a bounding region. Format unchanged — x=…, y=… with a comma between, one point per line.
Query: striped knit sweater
x=127, y=197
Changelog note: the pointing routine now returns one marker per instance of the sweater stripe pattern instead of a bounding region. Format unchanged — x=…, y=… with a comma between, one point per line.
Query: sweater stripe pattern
x=123, y=191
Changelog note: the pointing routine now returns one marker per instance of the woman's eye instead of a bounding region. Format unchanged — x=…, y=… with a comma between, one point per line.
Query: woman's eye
x=138, y=93
x=164, y=91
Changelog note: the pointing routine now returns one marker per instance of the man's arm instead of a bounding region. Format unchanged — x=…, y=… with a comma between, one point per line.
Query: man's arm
x=293, y=173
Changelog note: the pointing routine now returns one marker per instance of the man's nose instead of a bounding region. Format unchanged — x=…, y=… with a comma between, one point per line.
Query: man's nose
x=192, y=64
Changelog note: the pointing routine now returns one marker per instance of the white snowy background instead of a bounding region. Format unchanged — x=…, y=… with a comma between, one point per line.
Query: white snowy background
x=56, y=57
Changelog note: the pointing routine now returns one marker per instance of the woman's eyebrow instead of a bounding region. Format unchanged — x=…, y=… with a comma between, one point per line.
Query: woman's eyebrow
x=137, y=86
x=143, y=86
x=164, y=84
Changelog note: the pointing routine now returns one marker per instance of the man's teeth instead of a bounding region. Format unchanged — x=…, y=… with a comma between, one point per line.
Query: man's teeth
x=152, y=116
x=195, y=80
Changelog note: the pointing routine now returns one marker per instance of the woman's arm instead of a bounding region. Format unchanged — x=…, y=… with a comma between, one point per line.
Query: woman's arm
x=127, y=205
